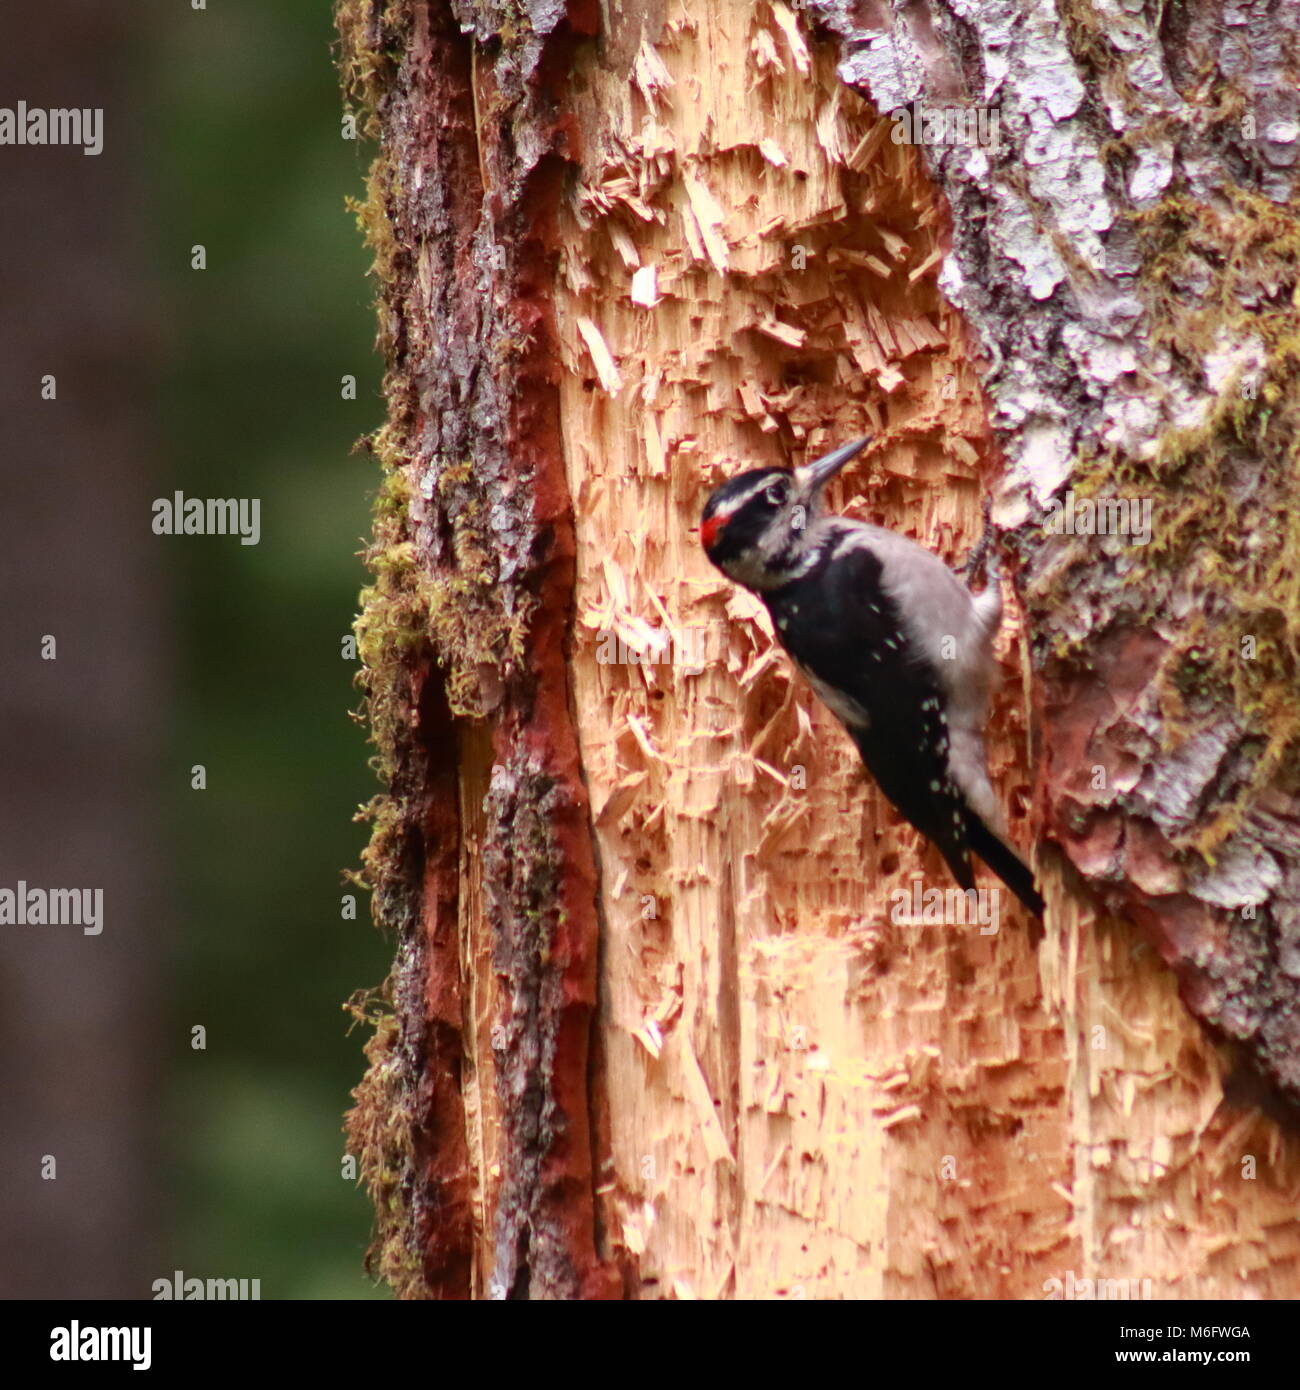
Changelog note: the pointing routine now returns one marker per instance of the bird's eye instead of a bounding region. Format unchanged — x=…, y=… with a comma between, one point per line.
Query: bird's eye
x=777, y=493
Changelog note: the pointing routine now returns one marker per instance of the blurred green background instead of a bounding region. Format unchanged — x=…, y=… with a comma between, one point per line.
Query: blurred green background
x=250, y=161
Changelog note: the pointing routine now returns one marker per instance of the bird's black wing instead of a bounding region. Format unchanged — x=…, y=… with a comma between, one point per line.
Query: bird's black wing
x=842, y=628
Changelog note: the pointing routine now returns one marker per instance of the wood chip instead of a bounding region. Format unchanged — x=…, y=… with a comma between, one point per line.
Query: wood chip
x=783, y=332
x=865, y=150
x=750, y=400
x=645, y=287
x=619, y=801
x=773, y=153
x=894, y=244
x=784, y=16
x=706, y=1114
x=650, y=75
x=602, y=358
x=901, y=1117
x=655, y=457
x=928, y=264
x=624, y=245
x=708, y=217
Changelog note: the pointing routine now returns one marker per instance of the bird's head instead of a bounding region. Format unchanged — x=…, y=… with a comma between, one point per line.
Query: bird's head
x=754, y=526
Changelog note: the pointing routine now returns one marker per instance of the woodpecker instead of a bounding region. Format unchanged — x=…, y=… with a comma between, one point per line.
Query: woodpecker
x=892, y=642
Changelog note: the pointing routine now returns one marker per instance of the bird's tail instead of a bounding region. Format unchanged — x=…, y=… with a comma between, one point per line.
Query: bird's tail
x=1006, y=863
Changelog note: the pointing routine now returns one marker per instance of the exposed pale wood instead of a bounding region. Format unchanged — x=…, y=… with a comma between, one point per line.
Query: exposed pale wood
x=802, y=1097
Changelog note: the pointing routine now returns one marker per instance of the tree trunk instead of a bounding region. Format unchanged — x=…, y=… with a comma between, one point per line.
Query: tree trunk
x=657, y=1027
x=88, y=657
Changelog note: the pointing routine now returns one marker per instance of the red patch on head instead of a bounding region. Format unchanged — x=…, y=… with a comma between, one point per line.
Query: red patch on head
x=709, y=529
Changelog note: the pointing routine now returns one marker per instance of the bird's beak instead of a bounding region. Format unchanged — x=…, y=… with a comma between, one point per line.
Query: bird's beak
x=812, y=477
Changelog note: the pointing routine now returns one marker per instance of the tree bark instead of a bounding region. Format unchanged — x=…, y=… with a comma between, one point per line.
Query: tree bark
x=657, y=1028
